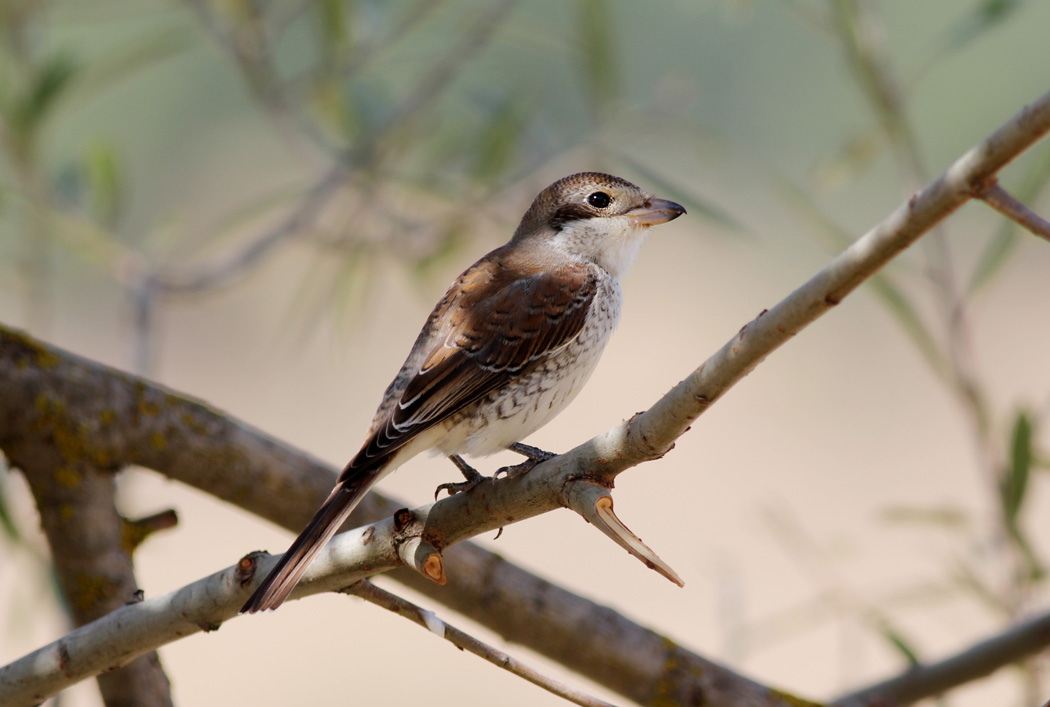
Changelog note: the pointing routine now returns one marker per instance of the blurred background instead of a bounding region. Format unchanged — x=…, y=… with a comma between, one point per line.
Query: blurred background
x=257, y=203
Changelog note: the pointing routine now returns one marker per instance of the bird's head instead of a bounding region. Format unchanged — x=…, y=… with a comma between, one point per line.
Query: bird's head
x=595, y=217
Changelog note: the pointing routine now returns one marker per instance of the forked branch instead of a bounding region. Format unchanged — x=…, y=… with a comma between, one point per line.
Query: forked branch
x=135, y=629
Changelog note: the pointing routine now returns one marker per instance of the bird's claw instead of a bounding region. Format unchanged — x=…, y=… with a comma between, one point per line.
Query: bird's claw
x=473, y=478
x=535, y=456
x=457, y=486
x=515, y=470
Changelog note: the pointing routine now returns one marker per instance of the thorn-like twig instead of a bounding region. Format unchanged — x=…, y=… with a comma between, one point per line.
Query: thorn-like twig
x=415, y=552
x=596, y=506
x=226, y=269
x=134, y=532
x=380, y=597
x=1004, y=202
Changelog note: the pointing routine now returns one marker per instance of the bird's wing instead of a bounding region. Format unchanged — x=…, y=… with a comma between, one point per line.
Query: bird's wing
x=497, y=324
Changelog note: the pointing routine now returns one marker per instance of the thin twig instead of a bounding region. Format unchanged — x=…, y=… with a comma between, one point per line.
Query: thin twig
x=464, y=641
x=249, y=47
x=92, y=558
x=645, y=675
x=443, y=71
x=1011, y=646
x=595, y=505
x=1004, y=202
x=224, y=270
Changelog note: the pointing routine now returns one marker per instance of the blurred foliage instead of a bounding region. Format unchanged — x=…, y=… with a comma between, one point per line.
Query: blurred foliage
x=942, y=340
x=401, y=126
x=883, y=283
x=6, y=521
x=598, y=54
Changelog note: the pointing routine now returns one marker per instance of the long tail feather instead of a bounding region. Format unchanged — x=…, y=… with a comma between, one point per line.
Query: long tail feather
x=294, y=563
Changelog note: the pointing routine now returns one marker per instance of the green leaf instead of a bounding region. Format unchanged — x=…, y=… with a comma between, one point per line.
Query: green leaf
x=6, y=521
x=498, y=141
x=985, y=16
x=1015, y=482
x=597, y=43
x=144, y=52
x=1014, y=489
x=104, y=181
x=898, y=641
x=1036, y=568
x=51, y=80
x=1006, y=238
x=333, y=27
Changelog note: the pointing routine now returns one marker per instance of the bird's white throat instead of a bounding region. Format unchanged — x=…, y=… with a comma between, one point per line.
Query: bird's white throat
x=612, y=243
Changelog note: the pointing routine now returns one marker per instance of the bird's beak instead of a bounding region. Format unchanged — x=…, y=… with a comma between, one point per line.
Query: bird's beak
x=654, y=212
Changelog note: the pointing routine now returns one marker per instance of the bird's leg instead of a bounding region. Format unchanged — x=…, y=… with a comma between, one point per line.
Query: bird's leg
x=535, y=456
x=473, y=478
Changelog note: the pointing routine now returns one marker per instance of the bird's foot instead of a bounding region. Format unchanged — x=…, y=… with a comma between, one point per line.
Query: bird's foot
x=473, y=478
x=535, y=456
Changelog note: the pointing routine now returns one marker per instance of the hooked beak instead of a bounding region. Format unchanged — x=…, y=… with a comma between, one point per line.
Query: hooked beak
x=654, y=212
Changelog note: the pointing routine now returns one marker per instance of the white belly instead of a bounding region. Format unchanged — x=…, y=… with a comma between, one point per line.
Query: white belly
x=517, y=410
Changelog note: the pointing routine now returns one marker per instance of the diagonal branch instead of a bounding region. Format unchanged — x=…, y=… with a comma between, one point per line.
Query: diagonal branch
x=91, y=558
x=644, y=437
x=226, y=269
x=1016, y=643
x=103, y=413
x=464, y=641
x=1004, y=202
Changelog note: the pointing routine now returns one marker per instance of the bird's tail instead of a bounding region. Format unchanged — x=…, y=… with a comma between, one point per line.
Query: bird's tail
x=282, y=579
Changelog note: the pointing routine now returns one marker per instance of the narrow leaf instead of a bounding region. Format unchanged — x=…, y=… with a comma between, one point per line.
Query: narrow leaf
x=1015, y=483
x=105, y=182
x=898, y=641
x=143, y=52
x=1014, y=489
x=333, y=27
x=594, y=24
x=6, y=521
x=985, y=16
x=1036, y=568
x=498, y=141
x=50, y=82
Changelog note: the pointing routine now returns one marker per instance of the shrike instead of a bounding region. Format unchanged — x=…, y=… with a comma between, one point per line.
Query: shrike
x=505, y=350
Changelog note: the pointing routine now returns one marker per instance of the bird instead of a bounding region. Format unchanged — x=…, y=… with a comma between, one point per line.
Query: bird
x=509, y=345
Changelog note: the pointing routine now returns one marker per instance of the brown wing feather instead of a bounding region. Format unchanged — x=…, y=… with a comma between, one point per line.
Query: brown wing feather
x=498, y=322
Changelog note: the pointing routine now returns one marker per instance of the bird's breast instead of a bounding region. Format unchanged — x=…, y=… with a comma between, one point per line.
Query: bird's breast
x=541, y=390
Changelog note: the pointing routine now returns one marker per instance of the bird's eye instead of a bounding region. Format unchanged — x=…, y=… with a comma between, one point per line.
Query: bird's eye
x=599, y=199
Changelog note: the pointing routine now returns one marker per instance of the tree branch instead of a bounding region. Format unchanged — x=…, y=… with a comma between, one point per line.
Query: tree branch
x=645, y=436
x=1002, y=201
x=92, y=560
x=108, y=414
x=464, y=641
x=1016, y=643
x=226, y=269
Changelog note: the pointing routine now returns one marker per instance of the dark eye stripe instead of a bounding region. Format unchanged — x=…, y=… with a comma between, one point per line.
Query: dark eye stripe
x=570, y=212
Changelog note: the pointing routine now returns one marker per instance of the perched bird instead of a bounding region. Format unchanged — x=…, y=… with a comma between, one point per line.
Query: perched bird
x=505, y=350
